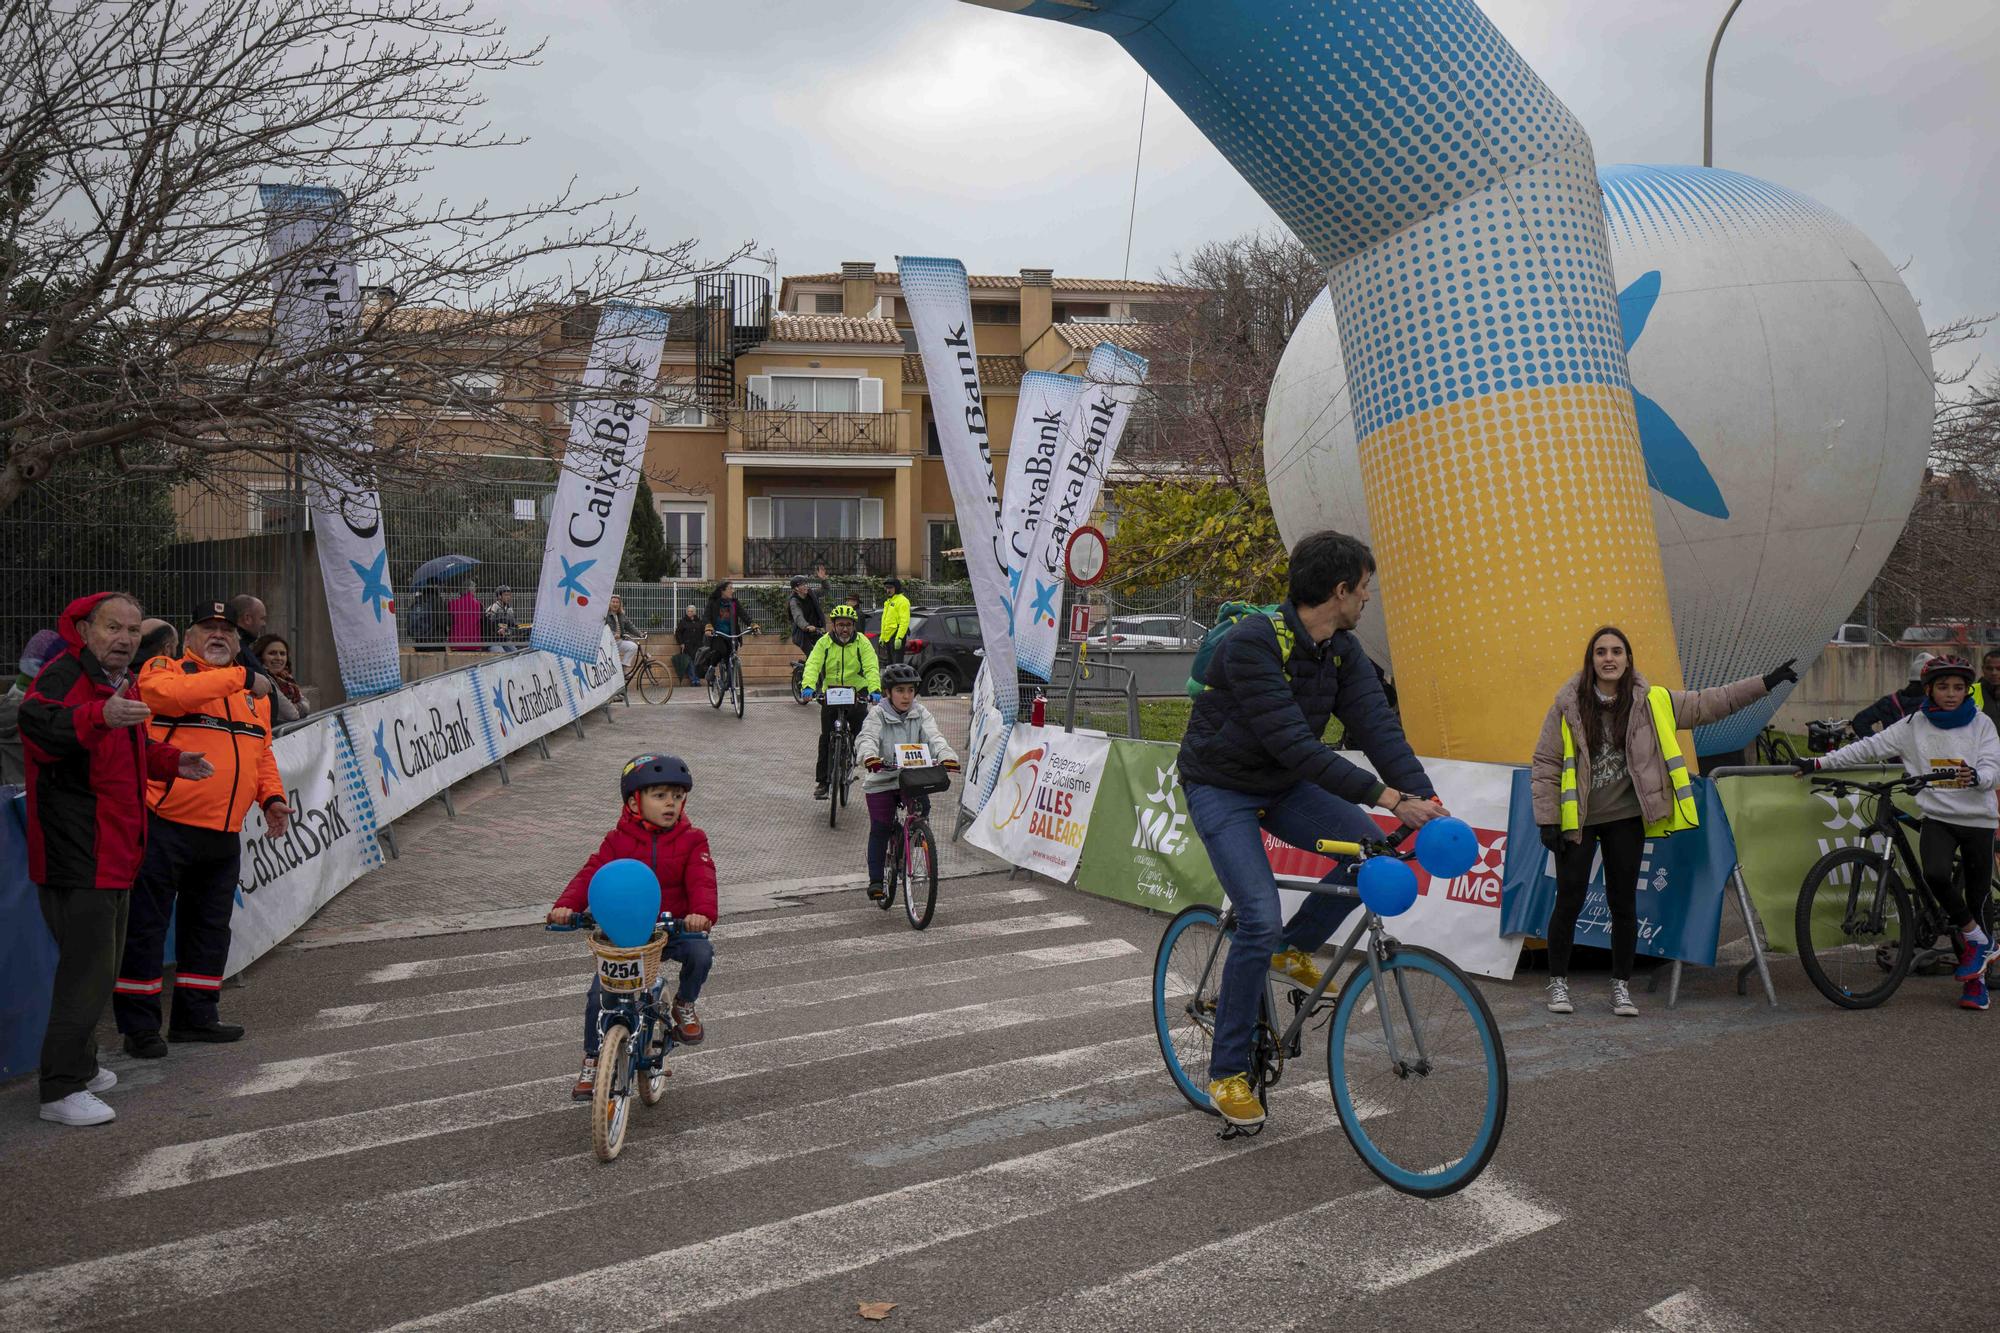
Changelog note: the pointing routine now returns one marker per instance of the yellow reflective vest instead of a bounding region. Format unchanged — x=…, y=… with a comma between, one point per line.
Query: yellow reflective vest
x=895, y=621
x=1684, y=814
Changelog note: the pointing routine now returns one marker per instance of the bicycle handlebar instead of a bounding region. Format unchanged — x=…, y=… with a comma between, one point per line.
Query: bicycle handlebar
x=667, y=922
x=1909, y=782
x=1378, y=847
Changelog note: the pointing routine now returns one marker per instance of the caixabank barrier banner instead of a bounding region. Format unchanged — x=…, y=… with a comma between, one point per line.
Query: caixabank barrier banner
x=1681, y=879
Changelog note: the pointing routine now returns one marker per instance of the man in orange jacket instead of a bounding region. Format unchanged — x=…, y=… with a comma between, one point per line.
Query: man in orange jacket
x=206, y=703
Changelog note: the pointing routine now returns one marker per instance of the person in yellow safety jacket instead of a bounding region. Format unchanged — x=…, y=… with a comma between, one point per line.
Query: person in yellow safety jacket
x=202, y=703
x=1608, y=773
x=895, y=621
x=844, y=659
x=1985, y=690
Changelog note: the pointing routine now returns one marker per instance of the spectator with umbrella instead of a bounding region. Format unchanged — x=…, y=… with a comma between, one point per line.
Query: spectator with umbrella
x=433, y=624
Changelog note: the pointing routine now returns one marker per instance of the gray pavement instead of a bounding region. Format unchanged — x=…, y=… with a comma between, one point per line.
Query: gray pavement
x=972, y=1124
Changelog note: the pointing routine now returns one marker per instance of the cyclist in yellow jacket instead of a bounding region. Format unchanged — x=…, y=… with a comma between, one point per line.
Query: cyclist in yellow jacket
x=842, y=659
x=895, y=621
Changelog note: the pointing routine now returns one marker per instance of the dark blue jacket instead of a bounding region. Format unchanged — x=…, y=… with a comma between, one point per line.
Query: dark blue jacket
x=1252, y=731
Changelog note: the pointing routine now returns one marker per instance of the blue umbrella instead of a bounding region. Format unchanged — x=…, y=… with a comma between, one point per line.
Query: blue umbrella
x=443, y=569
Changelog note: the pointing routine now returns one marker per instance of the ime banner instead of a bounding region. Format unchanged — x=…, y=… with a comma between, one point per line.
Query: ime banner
x=316, y=308
x=600, y=475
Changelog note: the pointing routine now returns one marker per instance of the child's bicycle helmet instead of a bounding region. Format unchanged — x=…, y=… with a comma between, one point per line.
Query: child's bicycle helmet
x=1942, y=668
x=900, y=673
x=654, y=770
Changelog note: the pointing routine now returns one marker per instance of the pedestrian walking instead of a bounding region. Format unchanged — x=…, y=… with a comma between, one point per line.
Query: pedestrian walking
x=204, y=702
x=89, y=758
x=1608, y=773
x=895, y=621
x=689, y=634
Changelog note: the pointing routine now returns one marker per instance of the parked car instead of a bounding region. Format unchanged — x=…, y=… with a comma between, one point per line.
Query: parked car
x=1149, y=632
x=1953, y=631
x=1859, y=636
x=943, y=645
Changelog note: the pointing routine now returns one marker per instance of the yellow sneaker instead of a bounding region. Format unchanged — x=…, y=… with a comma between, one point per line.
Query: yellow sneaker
x=1298, y=965
x=1234, y=1101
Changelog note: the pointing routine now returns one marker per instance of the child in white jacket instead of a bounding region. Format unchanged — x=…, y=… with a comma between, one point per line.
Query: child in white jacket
x=1947, y=737
x=898, y=720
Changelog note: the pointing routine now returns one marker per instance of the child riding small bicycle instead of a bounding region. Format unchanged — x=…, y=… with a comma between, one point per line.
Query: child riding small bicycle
x=898, y=720
x=654, y=829
x=1946, y=737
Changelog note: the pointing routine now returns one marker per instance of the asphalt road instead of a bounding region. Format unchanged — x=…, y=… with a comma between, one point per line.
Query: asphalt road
x=973, y=1124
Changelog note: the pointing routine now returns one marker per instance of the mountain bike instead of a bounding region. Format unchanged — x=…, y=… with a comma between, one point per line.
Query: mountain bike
x=1865, y=920
x=1414, y=1058
x=839, y=752
x=1774, y=748
x=653, y=677
x=912, y=864
x=725, y=678
x=635, y=1028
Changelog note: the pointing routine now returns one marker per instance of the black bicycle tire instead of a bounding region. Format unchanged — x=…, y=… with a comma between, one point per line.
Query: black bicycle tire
x=845, y=782
x=892, y=871
x=715, y=687
x=736, y=689
x=1802, y=926
x=921, y=829
x=610, y=1110
x=654, y=677
x=1782, y=751
x=832, y=779
x=1191, y=1084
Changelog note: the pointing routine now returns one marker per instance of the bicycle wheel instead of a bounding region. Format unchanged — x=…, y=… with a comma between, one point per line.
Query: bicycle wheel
x=1418, y=1072
x=736, y=685
x=1187, y=974
x=608, y=1105
x=653, y=1082
x=799, y=684
x=1855, y=927
x=1782, y=751
x=715, y=685
x=893, y=871
x=920, y=882
x=656, y=683
x=844, y=775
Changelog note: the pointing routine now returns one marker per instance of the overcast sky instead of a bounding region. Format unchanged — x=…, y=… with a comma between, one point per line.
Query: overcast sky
x=829, y=130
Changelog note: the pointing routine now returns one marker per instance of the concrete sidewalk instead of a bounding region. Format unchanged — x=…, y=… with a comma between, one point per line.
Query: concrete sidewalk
x=511, y=849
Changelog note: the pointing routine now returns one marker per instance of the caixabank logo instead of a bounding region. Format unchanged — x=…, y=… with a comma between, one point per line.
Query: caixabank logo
x=407, y=746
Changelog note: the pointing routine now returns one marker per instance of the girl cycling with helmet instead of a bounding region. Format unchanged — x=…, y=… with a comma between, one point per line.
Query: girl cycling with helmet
x=1947, y=736
x=841, y=658
x=653, y=828
x=898, y=720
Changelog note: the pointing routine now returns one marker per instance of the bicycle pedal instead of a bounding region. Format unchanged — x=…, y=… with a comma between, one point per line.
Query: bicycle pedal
x=1229, y=1132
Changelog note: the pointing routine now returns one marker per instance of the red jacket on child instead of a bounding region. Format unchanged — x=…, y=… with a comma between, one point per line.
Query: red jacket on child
x=678, y=855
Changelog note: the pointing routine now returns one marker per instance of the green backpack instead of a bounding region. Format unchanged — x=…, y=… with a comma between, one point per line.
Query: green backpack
x=1226, y=619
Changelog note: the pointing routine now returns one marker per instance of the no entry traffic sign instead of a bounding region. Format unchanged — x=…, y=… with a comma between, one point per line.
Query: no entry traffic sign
x=1084, y=557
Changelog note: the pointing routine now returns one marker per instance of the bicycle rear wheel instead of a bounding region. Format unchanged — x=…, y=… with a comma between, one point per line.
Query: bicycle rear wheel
x=609, y=1105
x=1856, y=927
x=920, y=883
x=1418, y=1072
x=1187, y=975
x=656, y=683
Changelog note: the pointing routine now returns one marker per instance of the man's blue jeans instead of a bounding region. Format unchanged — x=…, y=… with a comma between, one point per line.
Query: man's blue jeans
x=695, y=955
x=1230, y=824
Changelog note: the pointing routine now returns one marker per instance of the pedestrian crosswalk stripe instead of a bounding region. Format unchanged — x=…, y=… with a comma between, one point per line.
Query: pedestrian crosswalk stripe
x=430, y=1052
x=360, y=1131
x=729, y=931
x=789, y=1253
x=543, y=988
x=1367, y=1243
x=1686, y=1312
x=143, y=1282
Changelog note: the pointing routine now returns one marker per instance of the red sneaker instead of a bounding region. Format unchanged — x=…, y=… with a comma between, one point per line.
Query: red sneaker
x=687, y=1024
x=586, y=1081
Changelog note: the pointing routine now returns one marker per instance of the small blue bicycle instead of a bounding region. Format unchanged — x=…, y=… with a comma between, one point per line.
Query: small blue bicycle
x=635, y=1027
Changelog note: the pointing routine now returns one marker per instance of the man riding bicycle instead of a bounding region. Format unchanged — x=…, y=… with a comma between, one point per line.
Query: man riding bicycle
x=841, y=658
x=1252, y=760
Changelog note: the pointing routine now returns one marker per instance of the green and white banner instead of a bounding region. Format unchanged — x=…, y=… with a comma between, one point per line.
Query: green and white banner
x=1142, y=847
x=1782, y=826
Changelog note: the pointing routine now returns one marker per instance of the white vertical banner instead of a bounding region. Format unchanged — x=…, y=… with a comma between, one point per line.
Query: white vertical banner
x=1047, y=401
x=1089, y=441
x=941, y=308
x=317, y=304
x=600, y=475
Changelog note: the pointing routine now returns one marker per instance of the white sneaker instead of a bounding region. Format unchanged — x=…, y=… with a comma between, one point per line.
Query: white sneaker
x=102, y=1081
x=79, y=1108
x=1621, y=1000
x=1559, y=996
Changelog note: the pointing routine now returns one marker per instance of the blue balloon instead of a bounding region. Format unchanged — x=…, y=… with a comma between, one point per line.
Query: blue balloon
x=1388, y=885
x=1447, y=847
x=625, y=899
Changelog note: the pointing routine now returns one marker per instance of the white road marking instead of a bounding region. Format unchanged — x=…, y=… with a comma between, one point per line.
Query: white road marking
x=544, y=953
x=778, y=1256
x=1686, y=1312
x=1293, y=1271
x=144, y=1281
x=361, y=1131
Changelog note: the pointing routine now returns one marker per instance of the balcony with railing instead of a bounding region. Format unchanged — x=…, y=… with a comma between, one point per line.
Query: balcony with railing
x=758, y=427
x=844, y=557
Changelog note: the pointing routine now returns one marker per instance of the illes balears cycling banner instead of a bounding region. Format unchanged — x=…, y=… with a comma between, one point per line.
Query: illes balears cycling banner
x=1089, y=441
x=316, y=310
x=600, y=475
x=940, y=305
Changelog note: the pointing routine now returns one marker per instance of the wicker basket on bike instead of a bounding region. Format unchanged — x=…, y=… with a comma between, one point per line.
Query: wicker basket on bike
x=621, y=970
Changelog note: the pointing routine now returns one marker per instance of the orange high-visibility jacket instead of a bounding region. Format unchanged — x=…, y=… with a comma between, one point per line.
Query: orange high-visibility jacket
x=207, y=709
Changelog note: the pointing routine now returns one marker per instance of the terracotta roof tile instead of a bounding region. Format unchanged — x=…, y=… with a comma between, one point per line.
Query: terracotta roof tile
x=833, y=329
x=1010, y=282
x=995, y=372
x=1083, y=337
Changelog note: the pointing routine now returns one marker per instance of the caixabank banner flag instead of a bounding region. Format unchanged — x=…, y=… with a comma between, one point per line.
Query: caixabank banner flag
x=1681, y=879
x=1089, y=441
x=1040, y=812
x=1047, y=404
x=316, y=305
x=600, y=475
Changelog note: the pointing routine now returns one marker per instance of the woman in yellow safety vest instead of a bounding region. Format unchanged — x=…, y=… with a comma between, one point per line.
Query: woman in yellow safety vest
x=1608, y=774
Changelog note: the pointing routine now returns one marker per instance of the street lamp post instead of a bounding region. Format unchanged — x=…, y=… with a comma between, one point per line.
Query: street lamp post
x=1708, y=90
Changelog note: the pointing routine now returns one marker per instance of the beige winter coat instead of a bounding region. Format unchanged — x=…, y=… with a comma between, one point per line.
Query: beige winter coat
x=1695, y=708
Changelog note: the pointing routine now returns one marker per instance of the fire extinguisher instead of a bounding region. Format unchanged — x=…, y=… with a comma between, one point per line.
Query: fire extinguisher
x=1037, y=710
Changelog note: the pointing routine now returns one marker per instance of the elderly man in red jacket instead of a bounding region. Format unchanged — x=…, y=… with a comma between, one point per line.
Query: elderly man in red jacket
x=83, y=735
